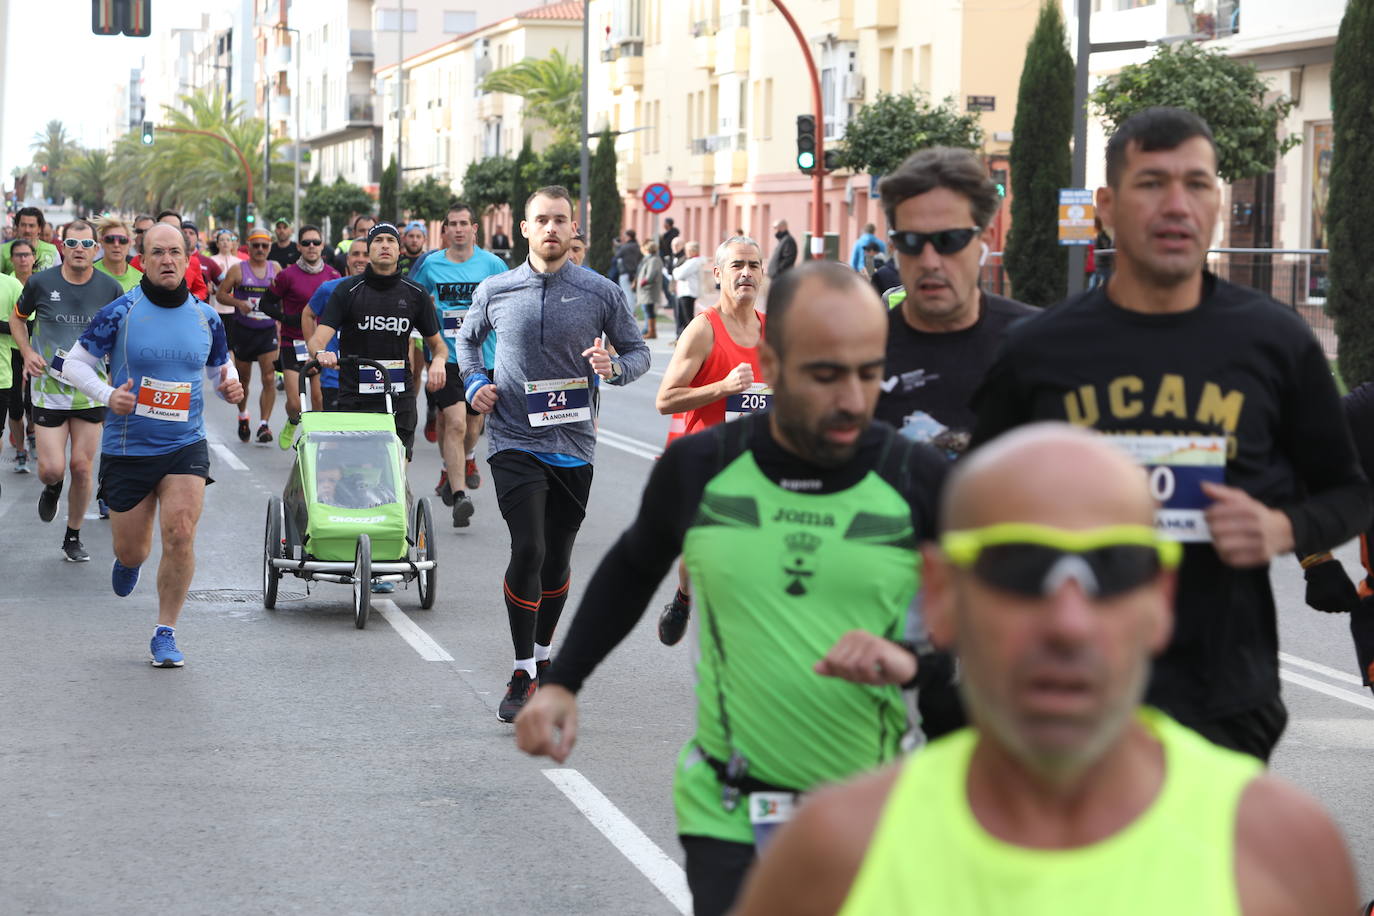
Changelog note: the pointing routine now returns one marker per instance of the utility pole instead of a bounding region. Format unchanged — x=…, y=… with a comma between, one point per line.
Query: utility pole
x=818, y=106
x=400, y=101
x=584, y=158
x=296, y=94
x=1078, y=253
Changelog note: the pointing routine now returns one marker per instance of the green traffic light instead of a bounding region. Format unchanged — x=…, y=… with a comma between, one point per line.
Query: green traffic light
x=806, y=160
x=251, y=218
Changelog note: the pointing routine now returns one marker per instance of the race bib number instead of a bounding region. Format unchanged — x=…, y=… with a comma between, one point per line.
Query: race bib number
x=159, y=400
x=370, y=381
x=59, y=359
x=758, y=397
x=767, y=812
x=560, y=400
x=302, y=354
x=256, y=313
x=1177, y=467
x=453, y=322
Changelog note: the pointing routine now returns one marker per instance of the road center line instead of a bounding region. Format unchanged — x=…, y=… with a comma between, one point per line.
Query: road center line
x=1343, y=676
x=627, y=444
x=410, y=631
x=643, y=853
x=228, y=455
x=1339, y=693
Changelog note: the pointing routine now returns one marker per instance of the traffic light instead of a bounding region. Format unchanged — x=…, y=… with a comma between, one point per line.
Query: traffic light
x=806, y=142
x=122, y=17
x=138, y=18
x=832, y=160
x=147, y=133
x=999, y=178
x=43, y=169
x=252, y=216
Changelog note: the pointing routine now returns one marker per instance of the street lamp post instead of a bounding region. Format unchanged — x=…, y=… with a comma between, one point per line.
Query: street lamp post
x=584, y=158
x=818, y=106
x=1077, y=253
x=296, y=114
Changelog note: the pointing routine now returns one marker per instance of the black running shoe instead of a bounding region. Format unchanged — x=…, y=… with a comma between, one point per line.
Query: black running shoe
x=462, y=511
x=264, y=433
x=75, y=552
x=519, y=689
x=443, y=490
x=541, y=669
x=244, y=432
x=672, y=623
x=47, y=501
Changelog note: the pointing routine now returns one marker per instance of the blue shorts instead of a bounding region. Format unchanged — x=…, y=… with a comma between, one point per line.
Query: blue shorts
x=126, y=480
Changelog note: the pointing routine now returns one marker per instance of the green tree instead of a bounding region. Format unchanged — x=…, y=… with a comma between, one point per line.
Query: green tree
x=427, y=199
x=1227, y=93
x=54, y=148
x=551, y=88
x=88, y=181
x=338, y=202
x=486, y=183
x=1350, y=204
x=521, y=187
x=1040, y=163
x=560, y=163
x=892, y=127
x=606, y=208
x=386, y=194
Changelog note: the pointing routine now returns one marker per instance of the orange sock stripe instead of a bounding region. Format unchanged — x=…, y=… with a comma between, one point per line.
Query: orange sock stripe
x=558, y=592
x=517, y=600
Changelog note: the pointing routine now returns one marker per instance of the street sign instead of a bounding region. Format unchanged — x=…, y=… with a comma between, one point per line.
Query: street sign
x=981, y=103
x=1076, y=217
x=657, y=197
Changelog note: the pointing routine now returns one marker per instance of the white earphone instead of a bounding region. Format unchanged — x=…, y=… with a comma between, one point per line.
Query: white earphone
x=983, y=258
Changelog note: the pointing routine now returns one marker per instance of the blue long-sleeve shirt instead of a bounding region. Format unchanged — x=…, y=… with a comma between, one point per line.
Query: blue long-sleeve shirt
x=856, y=254
x=543, y=322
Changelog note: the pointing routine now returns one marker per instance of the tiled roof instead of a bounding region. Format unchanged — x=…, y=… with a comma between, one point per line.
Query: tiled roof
x=568, y=9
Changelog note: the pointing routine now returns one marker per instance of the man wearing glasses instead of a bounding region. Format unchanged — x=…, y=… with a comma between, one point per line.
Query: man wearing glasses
x=63, y=300
x=29, y=224
x=114, y=241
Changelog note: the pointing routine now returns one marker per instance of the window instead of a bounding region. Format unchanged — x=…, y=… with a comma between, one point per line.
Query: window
x=459, y=22
x=386, y=20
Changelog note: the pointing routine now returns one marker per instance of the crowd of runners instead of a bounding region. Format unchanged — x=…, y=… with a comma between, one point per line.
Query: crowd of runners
x=874, y=500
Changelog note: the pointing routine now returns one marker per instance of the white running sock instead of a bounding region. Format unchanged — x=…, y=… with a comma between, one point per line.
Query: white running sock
x=526, y=665
x=472, y=455
x=243, y=415
x=541, y=653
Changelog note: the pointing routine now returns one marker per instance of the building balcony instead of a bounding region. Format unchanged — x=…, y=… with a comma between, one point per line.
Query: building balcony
x=628, y=172
x=704, y=51
x=360, y=110
x=732, y=49
x=838, y=18
x=1216, y=19
x=876, y=14
x=628, y=70
x=360, y=44
x=732, y=167
x=702, y=169
x=489, y=105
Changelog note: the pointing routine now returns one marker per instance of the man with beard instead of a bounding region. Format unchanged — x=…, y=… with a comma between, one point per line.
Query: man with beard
x=799, y=526
x=413, y=241
x=550, y=318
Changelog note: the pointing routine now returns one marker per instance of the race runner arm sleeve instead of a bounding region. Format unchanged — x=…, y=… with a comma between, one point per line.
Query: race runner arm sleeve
x=270, y=305
x=622, y=332
x=80, y=371
x=1315, y=437
x=627, y=577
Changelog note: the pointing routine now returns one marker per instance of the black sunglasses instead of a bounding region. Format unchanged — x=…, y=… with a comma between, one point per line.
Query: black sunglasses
x=311, y=242
x=946, y=241
x=1033, y=570
x=116, y=240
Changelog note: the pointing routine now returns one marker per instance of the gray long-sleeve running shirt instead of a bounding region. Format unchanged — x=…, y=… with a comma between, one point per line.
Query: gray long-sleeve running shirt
x=543, y=323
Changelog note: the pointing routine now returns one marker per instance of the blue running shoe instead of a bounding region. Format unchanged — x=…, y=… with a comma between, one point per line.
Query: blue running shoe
x=163, y=649
x=123, y=579
x=383, y=588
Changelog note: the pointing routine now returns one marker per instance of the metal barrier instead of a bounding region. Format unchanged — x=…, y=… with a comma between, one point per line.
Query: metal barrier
x=1296, y=277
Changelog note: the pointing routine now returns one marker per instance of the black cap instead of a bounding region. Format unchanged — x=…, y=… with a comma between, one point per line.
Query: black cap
x=383, y=229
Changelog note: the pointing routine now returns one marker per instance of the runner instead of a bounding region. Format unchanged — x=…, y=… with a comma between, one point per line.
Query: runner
x=714, y=375
x=22, y=435
x=195, y=276
x=114, y=241
x=362, y=225
x=255, y=333
x=328, y=395
x=10, y=290
x=373, y=315
x=286, y=300
x=284, y=252
x=577, y=251
x=450, y=277
x=1172, y=360
x=1069, y=798
x=211, y=273
x=155, y=460
x=800, y=528
x=29, y=224
x=550, y=318
x=63, y=300
x=413, y=242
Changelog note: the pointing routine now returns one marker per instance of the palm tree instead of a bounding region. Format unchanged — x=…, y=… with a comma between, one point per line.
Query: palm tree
x=551, y=88
x=88, y=181
x=54, y=148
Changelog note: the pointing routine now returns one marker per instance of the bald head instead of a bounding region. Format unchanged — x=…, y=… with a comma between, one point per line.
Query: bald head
x=164, y=255
x=1049, y=474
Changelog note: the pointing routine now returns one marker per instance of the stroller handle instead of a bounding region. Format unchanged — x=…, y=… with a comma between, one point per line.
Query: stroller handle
x=314, y=363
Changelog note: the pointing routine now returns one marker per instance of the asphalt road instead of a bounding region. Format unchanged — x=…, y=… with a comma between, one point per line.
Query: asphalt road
x=297, y=764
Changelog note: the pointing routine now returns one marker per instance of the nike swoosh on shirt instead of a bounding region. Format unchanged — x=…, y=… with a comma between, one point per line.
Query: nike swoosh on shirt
x=569, y=298
x=889, y=384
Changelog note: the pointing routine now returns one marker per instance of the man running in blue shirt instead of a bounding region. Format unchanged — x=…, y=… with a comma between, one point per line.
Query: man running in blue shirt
x=163, y=345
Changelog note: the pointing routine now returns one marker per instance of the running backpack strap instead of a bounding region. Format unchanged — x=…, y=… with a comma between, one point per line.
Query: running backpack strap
x=894, y=461
x=733, y=440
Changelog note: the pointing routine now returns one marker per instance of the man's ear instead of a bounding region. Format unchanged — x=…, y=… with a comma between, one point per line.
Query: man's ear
x=770, y=365
x=937, y=596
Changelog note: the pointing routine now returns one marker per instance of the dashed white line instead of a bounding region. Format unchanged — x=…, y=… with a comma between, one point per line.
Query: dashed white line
x=1344, y=677
x=628, y=444
x=227, y=454
x=643, y=853
x=1339, y=693
x=418, y=639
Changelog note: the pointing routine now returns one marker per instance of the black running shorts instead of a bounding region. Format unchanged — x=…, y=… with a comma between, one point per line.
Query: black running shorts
x=126, y=480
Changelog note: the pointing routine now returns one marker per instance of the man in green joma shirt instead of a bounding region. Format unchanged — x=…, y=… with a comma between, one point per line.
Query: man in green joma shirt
x=1067, y=797
x=799, y=527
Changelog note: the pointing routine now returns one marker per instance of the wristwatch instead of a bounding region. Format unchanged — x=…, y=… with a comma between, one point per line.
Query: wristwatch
x=615, y=369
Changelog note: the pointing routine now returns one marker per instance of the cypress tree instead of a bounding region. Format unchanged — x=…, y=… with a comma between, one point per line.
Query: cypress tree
x=1041, y=163
x=604, y=201
x=521, y=187
x=1350, y=207
x=386, y=194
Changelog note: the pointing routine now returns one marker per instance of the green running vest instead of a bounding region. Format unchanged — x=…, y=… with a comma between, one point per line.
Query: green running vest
x=929, y=855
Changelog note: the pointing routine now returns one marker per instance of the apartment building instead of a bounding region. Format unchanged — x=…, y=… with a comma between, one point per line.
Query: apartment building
x=448, y=121
x=705, y=94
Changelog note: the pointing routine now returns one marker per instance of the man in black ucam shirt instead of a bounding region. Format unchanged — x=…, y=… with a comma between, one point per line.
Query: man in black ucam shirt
x=1222, y=393
x=373, y=315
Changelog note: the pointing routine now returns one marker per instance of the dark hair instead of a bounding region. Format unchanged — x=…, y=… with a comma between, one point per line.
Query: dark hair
x=76, y=224
x=630, y=234
x=309, y=228
x=458, y=206
x=33, y=249
x=1152, y=130
x=579, y=237
x=782, y=292
x=363, y=216
x=168, y=213
x=30, y=211
x=955, y=169
x=556, y=191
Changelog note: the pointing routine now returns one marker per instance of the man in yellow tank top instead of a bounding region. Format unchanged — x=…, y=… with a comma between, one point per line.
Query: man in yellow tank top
x=1067, y=796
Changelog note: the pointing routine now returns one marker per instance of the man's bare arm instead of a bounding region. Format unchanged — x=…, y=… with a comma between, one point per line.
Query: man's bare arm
x=1290, y=858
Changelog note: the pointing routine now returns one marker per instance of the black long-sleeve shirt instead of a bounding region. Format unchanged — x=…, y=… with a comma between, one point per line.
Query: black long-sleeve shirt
x=1239, y=365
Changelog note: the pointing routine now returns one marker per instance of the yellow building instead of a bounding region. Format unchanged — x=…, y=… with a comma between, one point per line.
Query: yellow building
x=705, y=94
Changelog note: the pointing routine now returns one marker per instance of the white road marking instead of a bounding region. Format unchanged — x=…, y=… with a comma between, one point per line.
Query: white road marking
x=627, y=444
x=410, y=631
x=1344, y=677
x=643, y=853
x=228, y=456
x=1339, y=693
